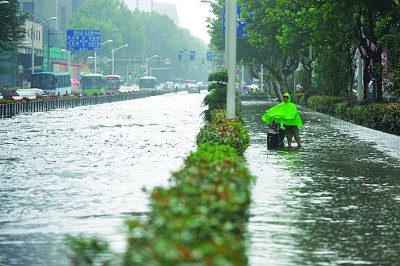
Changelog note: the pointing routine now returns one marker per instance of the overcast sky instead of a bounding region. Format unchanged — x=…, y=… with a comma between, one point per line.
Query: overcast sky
x=192, y=16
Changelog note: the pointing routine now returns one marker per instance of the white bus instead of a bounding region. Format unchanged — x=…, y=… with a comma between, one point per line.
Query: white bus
x=147, y=83
x=52, y=83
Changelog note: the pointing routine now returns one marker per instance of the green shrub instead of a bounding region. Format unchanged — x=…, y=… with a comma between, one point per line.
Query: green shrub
x=201, y=219
x=6, y=101
x=384, y=117
x=89, y=251
x=324, y=104
x=297, y=98
x=216, y=98
x=343, y=110
x=223, y=131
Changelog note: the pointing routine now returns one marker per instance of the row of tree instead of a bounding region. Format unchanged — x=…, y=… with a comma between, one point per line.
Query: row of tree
x=146, y=33
x=317, y=42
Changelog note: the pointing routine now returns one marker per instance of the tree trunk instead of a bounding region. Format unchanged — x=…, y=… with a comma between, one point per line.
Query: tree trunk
x=366, y=79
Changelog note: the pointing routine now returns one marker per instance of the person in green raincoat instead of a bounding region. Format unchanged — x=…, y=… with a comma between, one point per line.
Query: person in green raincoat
x=287, y=115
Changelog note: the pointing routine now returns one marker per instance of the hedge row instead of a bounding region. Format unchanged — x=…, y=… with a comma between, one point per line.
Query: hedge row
x=384, y=116
x=380, y=116
x=200, y=219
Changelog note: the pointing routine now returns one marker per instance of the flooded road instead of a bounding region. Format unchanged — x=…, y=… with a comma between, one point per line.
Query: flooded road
x=336, y=201
x=83, y=170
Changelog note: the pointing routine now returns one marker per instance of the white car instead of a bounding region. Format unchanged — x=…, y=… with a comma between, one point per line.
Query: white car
x=31, y=93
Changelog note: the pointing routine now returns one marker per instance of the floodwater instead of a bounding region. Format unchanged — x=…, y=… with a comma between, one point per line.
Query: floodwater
x=82, y=170
x=335, y=201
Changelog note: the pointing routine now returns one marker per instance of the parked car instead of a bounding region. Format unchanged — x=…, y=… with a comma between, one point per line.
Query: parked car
x=30, y=93
x=14, y=95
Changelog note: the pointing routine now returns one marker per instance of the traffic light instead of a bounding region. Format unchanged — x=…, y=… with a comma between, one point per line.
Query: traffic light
x=130, y=76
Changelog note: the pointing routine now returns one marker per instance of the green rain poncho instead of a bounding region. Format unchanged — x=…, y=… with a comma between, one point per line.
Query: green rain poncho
x=284, y=113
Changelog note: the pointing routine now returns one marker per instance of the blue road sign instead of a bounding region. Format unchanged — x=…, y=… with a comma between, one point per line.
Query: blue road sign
x=192, y=56
x=241, y=25
x=78, y=40
x=209, y=56
x=180, y=55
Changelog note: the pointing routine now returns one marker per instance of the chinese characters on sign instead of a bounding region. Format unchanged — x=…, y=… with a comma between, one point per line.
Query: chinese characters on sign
x=83, y=40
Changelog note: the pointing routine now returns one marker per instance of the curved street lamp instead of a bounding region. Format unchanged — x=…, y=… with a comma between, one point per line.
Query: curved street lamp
x=112, y=53
x=95, y=55
x=33, y=41
x=4, y=2
x=147, y=60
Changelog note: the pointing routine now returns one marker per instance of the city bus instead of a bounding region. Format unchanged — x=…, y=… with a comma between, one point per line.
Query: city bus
x=114, y=83
x=147, y=83
x=93, y=84
x=52, y=83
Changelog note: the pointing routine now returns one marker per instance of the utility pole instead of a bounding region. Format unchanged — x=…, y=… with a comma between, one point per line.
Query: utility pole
x=231, y=12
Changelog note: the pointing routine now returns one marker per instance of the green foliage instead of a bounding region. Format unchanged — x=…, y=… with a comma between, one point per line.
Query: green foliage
x=297, y=97
x=324, y=104
x=384, y=117
x=146, y=33
x=395, y=85
x=333, y=72
x=216, y=98
x=89, y=251
x=343, y=111
x=11, y=25
x=223, y=131
x=201, y=219
x=321, y=36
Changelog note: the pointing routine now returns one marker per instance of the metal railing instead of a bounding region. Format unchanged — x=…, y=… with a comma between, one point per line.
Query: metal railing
x=11, y=109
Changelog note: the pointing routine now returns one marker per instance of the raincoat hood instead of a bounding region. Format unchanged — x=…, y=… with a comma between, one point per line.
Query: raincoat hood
x=285, y=113
x=287, y=95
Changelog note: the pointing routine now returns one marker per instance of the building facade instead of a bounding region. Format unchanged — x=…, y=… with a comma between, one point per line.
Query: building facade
x=45, y=40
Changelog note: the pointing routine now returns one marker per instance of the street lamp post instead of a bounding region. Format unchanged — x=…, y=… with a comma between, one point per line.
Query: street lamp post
x=95, y=55
x=4, y=2
x=33, y=41
x=231, y=15
x=112, y=53
x=147, y=60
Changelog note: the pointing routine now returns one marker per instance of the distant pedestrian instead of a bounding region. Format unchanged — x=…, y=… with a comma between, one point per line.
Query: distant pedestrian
x=287, y=115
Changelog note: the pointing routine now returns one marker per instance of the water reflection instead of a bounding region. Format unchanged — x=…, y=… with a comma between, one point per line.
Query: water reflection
x=334, y=202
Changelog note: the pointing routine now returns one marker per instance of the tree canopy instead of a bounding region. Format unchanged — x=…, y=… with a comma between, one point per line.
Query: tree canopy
x=146, y=33
x=11, y=21
x=321, y=39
